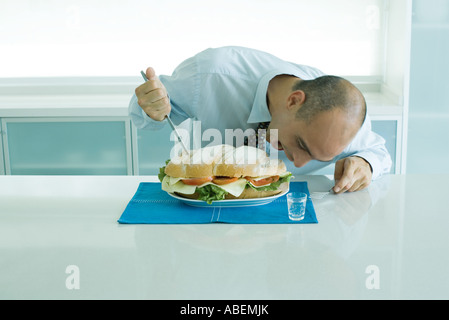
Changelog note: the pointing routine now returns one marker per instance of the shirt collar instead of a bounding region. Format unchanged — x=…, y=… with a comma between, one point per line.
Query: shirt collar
x=260, y=112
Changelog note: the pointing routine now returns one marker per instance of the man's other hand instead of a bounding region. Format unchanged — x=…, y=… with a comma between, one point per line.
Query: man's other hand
x=352, y=174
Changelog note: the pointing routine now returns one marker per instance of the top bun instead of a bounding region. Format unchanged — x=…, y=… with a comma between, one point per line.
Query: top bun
x=224, y=160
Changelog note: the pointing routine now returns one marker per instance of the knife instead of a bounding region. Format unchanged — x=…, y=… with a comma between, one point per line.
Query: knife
x=169, y=121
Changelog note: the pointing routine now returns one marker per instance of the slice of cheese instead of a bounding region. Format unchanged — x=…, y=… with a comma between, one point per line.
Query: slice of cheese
x=170, y=184
x=235, y=188
x=265, y=177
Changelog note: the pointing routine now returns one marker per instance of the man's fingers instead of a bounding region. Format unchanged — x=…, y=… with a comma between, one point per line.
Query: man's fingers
x=338, y=172
x=147, y=99
x=345, y=179
x=356, y=186
x=356, y=175
x=160, y=104
x=151, y=91
x=151, y=74
x=148, y=87
x=152, y=97
x=155, y=94
x=342, y=186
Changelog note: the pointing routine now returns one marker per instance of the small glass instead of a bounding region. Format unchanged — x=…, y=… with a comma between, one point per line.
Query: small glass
x=296, y=202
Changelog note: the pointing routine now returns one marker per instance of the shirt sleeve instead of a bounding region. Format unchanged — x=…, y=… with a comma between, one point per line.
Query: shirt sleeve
x=371, y=147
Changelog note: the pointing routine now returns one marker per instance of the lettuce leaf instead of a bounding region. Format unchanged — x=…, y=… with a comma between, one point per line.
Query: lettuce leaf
x=162, y=174
x=211, y=193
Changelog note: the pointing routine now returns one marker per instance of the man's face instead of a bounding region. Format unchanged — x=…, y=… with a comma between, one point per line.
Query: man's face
x=324, y=138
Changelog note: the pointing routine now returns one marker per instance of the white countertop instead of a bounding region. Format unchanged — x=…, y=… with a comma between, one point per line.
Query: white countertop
x=390, y=242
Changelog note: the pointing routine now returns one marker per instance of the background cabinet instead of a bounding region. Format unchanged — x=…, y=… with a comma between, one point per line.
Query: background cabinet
x=389, y=129
x=151, y=149
x=67, y=146
x=2, y=161
x=101, y=146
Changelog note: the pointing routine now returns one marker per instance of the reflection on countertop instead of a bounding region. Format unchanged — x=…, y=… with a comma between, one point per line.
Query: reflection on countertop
x=274, y=261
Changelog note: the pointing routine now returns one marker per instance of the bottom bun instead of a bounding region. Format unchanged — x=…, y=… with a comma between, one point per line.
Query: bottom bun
x=248, y=193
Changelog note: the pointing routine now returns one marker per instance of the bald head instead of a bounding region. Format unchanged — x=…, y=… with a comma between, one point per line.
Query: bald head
x=327, y=93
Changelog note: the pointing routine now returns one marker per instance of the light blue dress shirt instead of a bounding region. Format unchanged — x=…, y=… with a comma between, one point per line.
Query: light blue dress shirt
x=225, y=88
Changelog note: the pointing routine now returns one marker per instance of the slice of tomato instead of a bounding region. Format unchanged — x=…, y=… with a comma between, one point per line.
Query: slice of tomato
x=224, y=180
x=196, y=181
x=262, y=182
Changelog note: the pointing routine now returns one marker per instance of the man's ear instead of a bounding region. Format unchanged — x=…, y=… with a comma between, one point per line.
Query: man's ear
x=295, y=100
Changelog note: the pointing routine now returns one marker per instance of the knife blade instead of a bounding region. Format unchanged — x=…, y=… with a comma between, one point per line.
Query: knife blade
x=172, y=125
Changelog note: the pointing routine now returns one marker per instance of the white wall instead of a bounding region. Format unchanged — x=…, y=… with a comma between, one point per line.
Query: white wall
x=118, y=38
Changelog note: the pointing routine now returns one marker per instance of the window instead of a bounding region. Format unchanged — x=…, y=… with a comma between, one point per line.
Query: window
x=111, y=38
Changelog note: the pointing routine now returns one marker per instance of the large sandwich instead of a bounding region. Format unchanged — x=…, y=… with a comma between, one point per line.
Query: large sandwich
x=224, y=172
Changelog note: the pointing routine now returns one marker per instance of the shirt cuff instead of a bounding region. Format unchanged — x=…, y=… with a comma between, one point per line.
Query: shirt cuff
x=152, y=124
x=140, y=119
x=373, y=161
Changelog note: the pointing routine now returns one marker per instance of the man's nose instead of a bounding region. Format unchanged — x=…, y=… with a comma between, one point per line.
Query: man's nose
x=300, y=160
x=277, y=145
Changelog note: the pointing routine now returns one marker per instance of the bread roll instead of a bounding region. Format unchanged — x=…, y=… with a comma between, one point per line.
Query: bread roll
x=224, y=160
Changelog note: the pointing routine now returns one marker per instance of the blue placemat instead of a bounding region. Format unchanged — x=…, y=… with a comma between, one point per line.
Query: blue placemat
x=151, y=205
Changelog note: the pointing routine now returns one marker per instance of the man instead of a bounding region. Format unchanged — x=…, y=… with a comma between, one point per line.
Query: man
x=319, y=119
